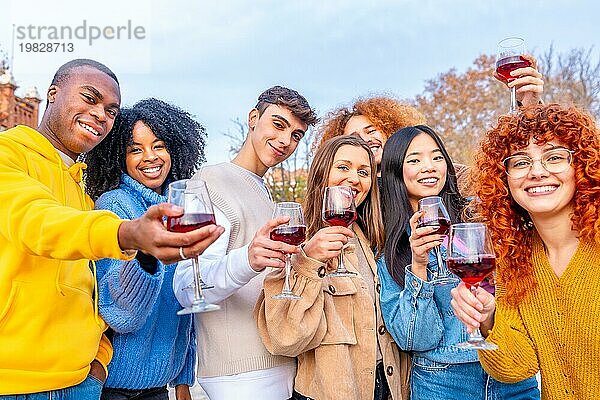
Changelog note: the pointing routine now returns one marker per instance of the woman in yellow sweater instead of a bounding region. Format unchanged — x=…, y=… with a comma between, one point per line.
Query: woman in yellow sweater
x=538, y=181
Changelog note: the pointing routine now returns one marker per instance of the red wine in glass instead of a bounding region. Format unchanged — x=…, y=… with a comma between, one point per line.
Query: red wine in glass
x=339, y=217
x=442, y=225
x=471, y=257
x=192, y=195
x=472, y=270
x=505, y=66
x=190, y=222
x=293, y=235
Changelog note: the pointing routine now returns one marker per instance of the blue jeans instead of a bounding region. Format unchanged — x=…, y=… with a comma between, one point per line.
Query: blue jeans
x=90, y=389
x=431, y=380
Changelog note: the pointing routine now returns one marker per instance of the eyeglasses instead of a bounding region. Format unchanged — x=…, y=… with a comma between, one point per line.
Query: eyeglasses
x=554, y=161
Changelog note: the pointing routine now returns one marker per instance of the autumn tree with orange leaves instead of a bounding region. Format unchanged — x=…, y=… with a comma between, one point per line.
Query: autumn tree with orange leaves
x=461, y=106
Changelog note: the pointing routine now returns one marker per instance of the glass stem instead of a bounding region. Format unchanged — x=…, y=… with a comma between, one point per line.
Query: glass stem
x=341, y=267
x=288, y=269
x=440, y=261
x=475, y=335
x=514, y=108
x=198, y=296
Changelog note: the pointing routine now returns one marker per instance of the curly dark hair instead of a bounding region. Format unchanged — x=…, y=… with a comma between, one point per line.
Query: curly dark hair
x=184, y=137
x=508, y=222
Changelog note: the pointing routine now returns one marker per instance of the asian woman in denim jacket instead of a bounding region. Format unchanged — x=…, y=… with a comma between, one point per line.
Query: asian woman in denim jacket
x=416, y=311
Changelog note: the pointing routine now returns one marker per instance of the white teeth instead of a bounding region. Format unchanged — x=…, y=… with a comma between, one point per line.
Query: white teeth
x=428, y=180
x=151, y=170
x=89, y=129
x=541, y=189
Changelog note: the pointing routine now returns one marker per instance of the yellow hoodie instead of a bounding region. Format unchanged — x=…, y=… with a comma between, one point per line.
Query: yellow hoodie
x=49, y=329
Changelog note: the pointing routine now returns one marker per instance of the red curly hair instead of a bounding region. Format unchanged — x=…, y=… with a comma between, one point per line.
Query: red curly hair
x=385, y=113
x=509, y=224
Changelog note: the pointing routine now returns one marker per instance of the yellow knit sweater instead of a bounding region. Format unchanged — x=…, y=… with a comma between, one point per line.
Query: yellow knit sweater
x=554, y=330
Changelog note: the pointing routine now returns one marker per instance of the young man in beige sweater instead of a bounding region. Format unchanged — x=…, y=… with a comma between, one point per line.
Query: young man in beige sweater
x=232, y=360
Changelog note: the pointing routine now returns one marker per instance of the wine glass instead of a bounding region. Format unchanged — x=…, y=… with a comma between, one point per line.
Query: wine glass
x=339, y=210
x=510, y=57
x=192, y=196
x=294, y=233
x=436, y=215
x=471, y=257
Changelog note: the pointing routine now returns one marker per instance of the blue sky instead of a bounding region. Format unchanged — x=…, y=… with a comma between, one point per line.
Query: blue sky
x=213, y=58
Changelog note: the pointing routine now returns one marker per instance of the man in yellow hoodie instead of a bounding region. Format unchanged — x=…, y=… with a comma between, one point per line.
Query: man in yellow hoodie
x=51, y=338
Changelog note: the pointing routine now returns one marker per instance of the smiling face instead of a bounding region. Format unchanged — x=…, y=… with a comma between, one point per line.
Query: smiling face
x=351, y=167
x=81, y=111
x=540, y=192
x=274, y=135
x=424, y=169
x=362, y=126
x=147, y=158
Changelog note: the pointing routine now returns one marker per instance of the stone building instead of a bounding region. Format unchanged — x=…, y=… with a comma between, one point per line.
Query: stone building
x=15, y=110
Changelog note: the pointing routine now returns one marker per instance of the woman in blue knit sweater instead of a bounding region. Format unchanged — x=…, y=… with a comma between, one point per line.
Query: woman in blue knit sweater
x=152, y=143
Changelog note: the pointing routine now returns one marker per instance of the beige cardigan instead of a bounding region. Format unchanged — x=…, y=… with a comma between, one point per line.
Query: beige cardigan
x=332, y=330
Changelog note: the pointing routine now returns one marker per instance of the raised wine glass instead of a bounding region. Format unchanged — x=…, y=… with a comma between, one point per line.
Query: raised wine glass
x=509, y=58
x=436, y=215
x=192, y=196
x=471, y=257
x=339, y=210
x=294, y=233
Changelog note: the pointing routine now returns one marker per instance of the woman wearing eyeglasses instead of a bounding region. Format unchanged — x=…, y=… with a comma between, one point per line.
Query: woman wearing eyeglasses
x=538, y=181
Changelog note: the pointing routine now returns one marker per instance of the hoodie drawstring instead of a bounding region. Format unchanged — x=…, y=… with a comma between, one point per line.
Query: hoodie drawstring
x=76, y=172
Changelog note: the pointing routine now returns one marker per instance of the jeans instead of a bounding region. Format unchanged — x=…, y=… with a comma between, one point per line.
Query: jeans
x=89, y=389
x=159, y=393
x=431, y=380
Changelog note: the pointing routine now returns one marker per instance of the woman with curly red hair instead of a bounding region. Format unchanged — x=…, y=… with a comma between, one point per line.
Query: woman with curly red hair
x=374, y=119
x=537, y=177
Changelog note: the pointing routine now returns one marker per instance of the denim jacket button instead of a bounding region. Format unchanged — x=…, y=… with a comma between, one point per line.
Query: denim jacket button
x=321, y=272
x=381, y=330
x=389, y=370
x=378, y=288
x=415, y=283
x=331, y=289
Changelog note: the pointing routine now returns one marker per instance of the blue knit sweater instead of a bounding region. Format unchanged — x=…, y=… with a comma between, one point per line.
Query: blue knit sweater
x=153, y=346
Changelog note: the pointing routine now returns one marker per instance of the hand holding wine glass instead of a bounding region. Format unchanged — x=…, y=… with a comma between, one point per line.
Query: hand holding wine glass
x=339, y=210
x=293, y=233
x=511, y=57
x=471, y=257
x=192, y=196
x=435, y=215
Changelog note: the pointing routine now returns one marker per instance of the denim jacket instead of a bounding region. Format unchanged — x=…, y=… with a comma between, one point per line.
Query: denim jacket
x=420, y=317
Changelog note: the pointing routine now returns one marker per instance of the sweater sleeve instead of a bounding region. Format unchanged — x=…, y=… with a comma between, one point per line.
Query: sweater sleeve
x=127, y=293
x=61, y=232
x=187, y=374
x=516, y=357
x=290, y=328
x=410, y=314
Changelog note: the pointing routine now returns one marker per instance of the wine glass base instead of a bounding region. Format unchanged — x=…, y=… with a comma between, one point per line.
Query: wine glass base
x=445, y=281
x=199, y=308
x=286, y=296
x=477, y=345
